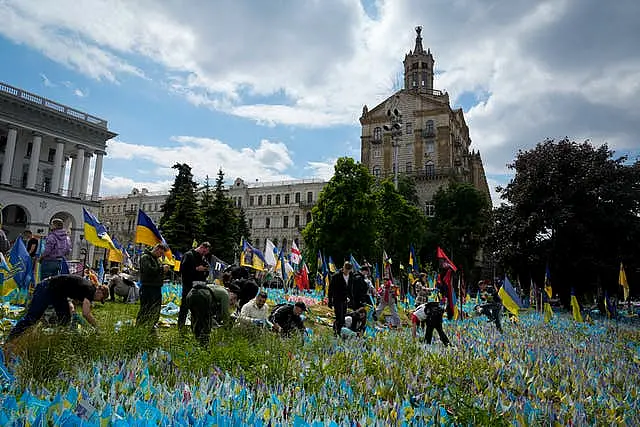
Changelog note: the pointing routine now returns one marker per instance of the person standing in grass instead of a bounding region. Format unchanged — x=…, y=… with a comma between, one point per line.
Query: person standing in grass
x=193, y=268
x=57, y=247
x=429, y=315
x=338, y=294
x=151, y=281
x=57, y=291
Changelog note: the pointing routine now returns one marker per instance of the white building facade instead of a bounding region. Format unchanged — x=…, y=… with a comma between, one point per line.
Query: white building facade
x=278, y=211
x=47, y=153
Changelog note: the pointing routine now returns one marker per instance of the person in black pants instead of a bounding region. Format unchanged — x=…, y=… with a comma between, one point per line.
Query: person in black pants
x=433, y=319
x=245, y=289
x=492, y=307
x=151, y=281
x=193, y=268
x=55, y=291
x=338, y=293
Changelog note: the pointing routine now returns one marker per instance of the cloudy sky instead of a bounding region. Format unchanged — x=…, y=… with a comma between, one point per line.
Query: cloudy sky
x=272, y=89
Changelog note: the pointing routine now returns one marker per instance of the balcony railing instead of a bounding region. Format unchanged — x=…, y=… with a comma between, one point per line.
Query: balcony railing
x=306, y=204
x=43, y=189
x=52, y=105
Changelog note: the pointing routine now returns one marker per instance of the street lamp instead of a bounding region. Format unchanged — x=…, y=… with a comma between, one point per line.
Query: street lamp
x=395, y=127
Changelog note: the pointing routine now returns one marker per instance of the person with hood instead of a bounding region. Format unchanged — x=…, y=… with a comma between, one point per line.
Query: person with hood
x=57, y=247
x=151, y=281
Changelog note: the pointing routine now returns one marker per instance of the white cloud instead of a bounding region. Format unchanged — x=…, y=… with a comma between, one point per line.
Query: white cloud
x=112, y=185
x=79, y=93
x=323, y=170
x=538, y=68
x=45, y=81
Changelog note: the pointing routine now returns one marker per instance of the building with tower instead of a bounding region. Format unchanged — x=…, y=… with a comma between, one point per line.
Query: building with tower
x=46, y=152
x=415, y=132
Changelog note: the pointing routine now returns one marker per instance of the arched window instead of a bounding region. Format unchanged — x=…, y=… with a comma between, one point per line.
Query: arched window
x=429, y=168
x=377, y=134
x=308, y=217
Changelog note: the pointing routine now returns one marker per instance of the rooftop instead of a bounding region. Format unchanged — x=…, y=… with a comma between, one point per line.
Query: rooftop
x=48, y=104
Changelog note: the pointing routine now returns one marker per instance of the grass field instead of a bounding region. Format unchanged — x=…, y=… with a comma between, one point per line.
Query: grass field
x=533, y=374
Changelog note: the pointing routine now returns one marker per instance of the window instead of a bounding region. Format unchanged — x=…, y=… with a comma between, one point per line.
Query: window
x=430, y=209
x=429, y=169
x=409, y=167
x=156, y=208
x=310, y=196
x=423, y=82
x=51, y=156
x=308, y=217
x=250, y=223
x=429, y=128
x=259, y=200
x=29, y=149
x=287, y=198
x=285, y=221
x=269, y=200
x=239, y=202
x=377, y=134
x=297, y=198
x=430, y=147
x=46, y=184
x=277, y=199
x=256, y=243
x=376, y=171
x=297, y=221
x=267, y=222
x=377, y=153
x=251, y=200
x=393, y=169
x=409, y=128
x=284, y=243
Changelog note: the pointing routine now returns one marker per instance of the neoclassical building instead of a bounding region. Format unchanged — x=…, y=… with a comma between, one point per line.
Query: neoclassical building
x=415, y=132
x=278, y=211
x=47, y=152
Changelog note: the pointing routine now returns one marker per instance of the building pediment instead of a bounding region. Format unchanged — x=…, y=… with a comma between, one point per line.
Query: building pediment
x=431, y=104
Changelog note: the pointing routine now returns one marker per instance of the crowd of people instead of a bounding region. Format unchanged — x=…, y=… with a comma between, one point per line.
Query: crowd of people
x=237, y=299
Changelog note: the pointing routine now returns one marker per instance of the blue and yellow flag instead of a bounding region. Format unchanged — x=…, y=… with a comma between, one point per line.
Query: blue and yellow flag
x=117, y=255
x=414, y=268
x=510, y=298
x=332, y=265
x=547, y=282
x=19, y=270
x=96, y=233
x=147, y=233
x=353, y=262
x=251, y=257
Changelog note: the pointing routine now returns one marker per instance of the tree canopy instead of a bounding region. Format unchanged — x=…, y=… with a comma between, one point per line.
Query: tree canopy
x=181, y=220
x=573, y=207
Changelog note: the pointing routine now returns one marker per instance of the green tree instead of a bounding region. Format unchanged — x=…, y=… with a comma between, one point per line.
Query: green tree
x=221, y=221
x=243, y=229
x=401, y=223
x=345, y=219
x=181, y=221
x=575, y=208
x=407, y=188
x=460, y=225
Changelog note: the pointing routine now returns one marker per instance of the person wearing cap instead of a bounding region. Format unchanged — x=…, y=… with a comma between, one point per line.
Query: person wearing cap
x=193, y=268
x=338, y=293
x=57, y=291
x=151, y=281
x=286, y=318
x=57, y=247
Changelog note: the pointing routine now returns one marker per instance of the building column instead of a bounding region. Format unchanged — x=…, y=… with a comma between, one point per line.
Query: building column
x=57, y=163
x=97, y=176
x=34, y=161
x=77, y=175
x=63, y=170
x=72, y=174
x=9, y=154
x=86, y=165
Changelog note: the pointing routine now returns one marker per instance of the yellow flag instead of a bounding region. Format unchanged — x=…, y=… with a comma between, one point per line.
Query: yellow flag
x=575, y=308
x=622, y=280
x=548, y=312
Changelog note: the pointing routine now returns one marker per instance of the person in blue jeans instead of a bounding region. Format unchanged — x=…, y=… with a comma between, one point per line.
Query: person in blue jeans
x=57, y=247
x=57, y=291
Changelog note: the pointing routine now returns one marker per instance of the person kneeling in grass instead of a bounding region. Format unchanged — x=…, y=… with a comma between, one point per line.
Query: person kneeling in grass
x=286, y=318
x=56, y=291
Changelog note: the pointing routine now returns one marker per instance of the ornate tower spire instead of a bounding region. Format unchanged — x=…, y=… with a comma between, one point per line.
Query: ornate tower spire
x=418, y=67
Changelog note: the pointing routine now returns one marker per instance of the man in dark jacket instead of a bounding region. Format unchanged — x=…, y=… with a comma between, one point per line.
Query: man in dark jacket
x=193, y=268
x=358, y=296
x=286, y=318
x=338, y=293
x=151, y=281
x=492, y=306
x=245, y=289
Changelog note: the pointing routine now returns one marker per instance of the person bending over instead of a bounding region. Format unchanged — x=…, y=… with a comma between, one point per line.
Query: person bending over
x=286, y=318
x=430, y=316
x=56, y=291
